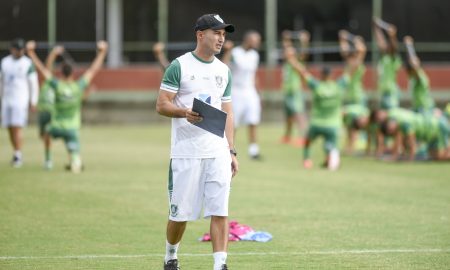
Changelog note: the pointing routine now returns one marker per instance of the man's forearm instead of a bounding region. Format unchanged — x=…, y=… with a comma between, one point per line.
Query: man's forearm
x=170, y=110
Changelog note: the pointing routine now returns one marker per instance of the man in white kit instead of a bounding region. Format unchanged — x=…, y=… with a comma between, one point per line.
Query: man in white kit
x=19, y=87
x=243, y=61
x=202, y=164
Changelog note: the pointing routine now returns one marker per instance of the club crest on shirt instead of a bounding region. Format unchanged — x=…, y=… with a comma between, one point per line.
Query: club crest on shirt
x=173, y=210
x=219, y=81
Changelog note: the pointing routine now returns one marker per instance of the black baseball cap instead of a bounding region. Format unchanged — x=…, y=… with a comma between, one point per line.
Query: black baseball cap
x=18, y=43
x=214, y=22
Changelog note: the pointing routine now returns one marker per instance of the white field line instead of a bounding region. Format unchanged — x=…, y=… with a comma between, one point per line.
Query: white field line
x=300, y=253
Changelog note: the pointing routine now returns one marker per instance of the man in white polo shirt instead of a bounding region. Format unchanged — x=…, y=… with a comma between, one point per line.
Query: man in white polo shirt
x=202, y=164
x=19, y=87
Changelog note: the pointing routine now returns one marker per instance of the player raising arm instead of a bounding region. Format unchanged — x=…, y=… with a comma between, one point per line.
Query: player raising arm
x=46, y=105
x=388, y=65
x=66, y=120
x=294, y=107
x=353, y=51
x=158, y=51
x=419, y=84
x=326, y=111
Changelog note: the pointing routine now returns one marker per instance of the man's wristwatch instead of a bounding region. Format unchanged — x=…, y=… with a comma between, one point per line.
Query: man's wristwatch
x=233, y=152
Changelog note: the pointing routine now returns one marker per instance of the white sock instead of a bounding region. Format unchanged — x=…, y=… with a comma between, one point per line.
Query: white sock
x=220, y=258
x=253, y=149
x=171, y=251
x=18, y=154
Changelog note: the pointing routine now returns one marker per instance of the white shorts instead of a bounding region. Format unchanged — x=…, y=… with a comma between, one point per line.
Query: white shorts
x=197, y=183
x=14, y=116
x=246, y=109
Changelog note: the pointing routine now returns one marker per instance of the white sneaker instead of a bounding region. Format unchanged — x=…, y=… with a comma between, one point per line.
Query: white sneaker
x=334, y=161
x=76, y=167
x=48, y=165
x=16, y=162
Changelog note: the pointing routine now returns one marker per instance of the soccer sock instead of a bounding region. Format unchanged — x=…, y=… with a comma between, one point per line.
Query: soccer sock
x=18, y=154
x=220, y=258
x=306, y=153
x=171, y=251
x=253, y=149
x=48, y=155
x=75, y=158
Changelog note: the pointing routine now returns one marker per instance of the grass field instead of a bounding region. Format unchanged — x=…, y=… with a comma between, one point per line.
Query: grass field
x=368, y=215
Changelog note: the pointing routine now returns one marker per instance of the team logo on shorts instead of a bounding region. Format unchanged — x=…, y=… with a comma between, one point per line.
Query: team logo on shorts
x=219, y=81
x=173, y=210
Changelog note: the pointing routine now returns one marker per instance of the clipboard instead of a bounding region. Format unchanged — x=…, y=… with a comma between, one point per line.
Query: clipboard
x=214, y=120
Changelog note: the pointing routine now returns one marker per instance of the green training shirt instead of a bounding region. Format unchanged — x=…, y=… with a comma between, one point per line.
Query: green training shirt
x=68, y=98
x=46, y=99
x=327, y=101
x=406, y=119
x=420, y=88
x=388, y=67
x=355, y=90
x=354, y=111
x=291, y=80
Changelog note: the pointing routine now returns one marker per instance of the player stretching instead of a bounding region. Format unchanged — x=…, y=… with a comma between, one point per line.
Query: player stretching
x=66, y=120
x=243, y=61
x=388, y=65
x=326, y=115
x=45, y=107
x=418, y=81
x=354, y=60
x=292, y=88
x=202, y=164
x=158, y=51
x=19, y=87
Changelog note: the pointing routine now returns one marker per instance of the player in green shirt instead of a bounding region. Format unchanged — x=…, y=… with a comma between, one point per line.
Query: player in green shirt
x=45, y=107
x=419, y=84
x=326, y=114
x=409, y=129
x=66, y=120
x=388, y=66
x=354, y=60
x=292, y=89
x=356, y=119
x=404, y=126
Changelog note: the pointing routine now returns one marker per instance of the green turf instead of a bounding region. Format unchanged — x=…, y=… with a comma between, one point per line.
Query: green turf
x=368, y=215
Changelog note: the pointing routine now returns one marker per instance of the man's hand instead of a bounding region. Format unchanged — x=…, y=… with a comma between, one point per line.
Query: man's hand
x=31, y=45
x=304, y=36
x=408, y=40
x=102, y=45
x=392, y=30
x=234, y=165
x=158, y=47
x=58, y=50
x=193, y=117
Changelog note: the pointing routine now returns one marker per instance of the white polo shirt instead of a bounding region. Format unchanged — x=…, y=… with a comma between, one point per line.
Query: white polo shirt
x=190, y=77
x=19, y=82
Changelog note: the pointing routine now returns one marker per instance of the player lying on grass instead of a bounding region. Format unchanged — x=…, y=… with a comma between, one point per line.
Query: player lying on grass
x=419, y=84
x=411, y=130
x=66, y=120
x=353, y=51
x=388, y=65
x=294, y=105
x=326, y=115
